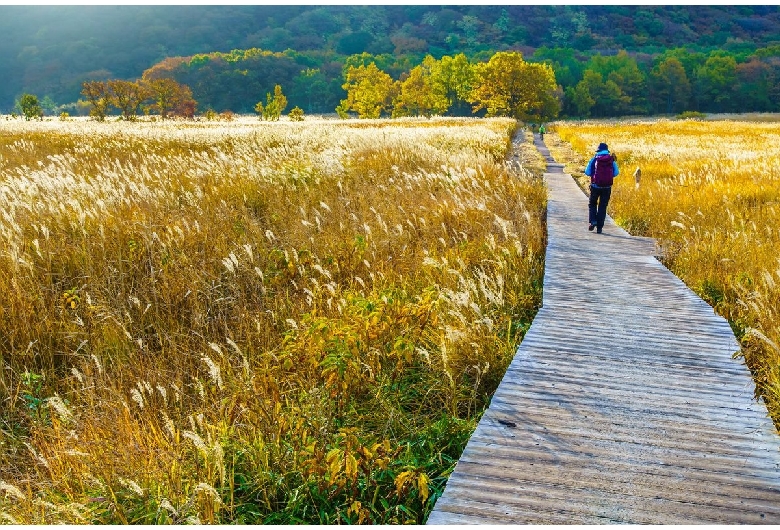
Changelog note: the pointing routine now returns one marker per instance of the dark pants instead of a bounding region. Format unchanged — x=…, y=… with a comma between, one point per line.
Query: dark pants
x=597, y=205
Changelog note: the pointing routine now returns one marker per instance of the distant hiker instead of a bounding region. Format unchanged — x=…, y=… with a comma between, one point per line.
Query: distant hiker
x=601, y=169
x=637, y=176
x=541, y=132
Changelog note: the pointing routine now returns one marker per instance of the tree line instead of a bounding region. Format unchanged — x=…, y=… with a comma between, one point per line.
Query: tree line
x=589, y=85
x=552, y=82
x=505, y=85
x=165, y=97
x=670, y=82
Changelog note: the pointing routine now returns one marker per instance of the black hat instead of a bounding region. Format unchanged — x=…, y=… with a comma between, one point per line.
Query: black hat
x=602, y=147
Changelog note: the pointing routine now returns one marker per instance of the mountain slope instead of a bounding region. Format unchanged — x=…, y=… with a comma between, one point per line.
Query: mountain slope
x=51, y=50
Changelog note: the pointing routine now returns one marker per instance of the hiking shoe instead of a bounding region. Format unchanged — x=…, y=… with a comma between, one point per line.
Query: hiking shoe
x=598, y=230
x=591, y=227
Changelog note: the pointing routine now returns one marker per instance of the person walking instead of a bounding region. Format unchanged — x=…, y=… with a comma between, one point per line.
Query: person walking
x=601, y=169
x=541, y=132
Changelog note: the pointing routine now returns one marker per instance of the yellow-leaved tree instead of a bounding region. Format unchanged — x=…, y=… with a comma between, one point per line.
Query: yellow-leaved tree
x=422, y=93
x=456, y=74
x=274, y=106
x=127, y=96
x=170, y=98
x=370, y=92
x=507, y=85
x=98, y=95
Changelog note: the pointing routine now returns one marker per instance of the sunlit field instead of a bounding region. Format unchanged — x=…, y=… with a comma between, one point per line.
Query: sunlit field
x=710, y=193
x=255, y=322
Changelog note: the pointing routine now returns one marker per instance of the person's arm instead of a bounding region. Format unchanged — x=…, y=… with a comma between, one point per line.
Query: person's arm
x=589, y=167
x=615, y=169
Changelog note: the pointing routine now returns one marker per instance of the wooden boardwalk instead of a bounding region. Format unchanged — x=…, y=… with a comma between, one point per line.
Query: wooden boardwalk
x=623, y=403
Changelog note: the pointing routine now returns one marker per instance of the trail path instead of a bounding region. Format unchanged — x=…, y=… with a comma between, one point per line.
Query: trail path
x=623, y=403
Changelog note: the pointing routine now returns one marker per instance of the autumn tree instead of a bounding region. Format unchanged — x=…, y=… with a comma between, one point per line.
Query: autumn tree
x=186, y=105
x=274, y=105
x=420, y=94
x=758, y=84
x=509, y=86
x=165, y=69
x=369, y=91
x=170, y=97
x=456, y=76
x=99, y=98
x=127, y=96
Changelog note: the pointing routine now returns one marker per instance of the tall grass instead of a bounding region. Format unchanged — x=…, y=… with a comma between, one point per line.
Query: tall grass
x=254, y=323
x=710, y=193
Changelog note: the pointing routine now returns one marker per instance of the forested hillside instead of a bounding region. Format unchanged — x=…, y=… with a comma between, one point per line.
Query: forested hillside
x=709, y=58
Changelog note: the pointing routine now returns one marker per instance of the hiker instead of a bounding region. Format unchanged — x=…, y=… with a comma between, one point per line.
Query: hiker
x=541, y=132
x=601, y=169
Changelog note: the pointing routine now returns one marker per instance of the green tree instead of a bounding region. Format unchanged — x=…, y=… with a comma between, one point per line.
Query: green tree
x=369, y=91
x=568, y=70
x=470, y=25
x=602, y=97
x=623, y=70
x=715, y=84
x=310, y=89
x=48, y=105
x=579, y=102
x=690, y=60
x=28, y=103
x=127, y=96
x=99, y=98
x=670, y=89
x=507, y=85
x=502, y=24
x=420, y=94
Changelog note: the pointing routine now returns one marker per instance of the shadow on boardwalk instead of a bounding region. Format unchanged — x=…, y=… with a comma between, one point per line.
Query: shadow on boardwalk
x=623, y=403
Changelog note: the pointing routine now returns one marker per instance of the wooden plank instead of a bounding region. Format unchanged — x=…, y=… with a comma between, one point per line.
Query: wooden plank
x=604, y=450
x=665, y=431
x=624, y=403
x=573, y=367
x=749, y=487
x=600, y=502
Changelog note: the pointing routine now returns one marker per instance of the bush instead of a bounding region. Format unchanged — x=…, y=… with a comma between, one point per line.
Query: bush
x=296, y=114
x=691, y=115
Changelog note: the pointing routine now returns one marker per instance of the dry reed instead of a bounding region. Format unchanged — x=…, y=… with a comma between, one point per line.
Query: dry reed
x=253, y=323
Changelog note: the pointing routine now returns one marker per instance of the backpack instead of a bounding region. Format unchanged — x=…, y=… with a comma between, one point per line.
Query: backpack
x=603, y=171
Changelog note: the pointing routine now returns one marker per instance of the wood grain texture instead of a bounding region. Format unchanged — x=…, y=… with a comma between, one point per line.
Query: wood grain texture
x=623, y=404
